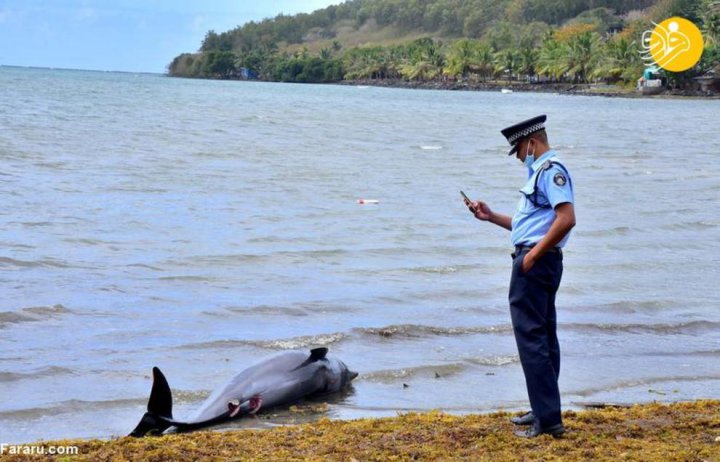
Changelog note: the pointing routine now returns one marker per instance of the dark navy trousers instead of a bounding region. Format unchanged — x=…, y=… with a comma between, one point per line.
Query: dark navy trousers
x=534, y=319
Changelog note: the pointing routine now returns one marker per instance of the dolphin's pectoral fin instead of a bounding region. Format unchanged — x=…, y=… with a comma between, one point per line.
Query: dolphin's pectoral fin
x=247, y=407
x=256, y=403
x=234, y=407
x=316, y=354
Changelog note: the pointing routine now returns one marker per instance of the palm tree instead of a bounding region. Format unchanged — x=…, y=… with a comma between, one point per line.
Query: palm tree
x=507, y=61
x=461, y=58
x=585, y=52
x=711, y=22
x=551, y=59
x=486, y=61
x=528, y=61
x=621, y=56
x=423, y=60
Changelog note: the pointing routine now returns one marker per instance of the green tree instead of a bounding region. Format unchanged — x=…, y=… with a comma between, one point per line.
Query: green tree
x=710, y=18
x=621, y=60
x=507, y=62
x=528, y=58
x=552, y=60
x=219, y=64
x=584, y=55
x=462, y=58
x=485, y=61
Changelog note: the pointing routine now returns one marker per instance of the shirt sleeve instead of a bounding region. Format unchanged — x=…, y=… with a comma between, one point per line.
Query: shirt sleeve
x=558, y=186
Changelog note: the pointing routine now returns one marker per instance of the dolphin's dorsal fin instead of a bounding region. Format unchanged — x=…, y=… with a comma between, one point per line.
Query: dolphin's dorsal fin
x=160, y=402
x=316, y=354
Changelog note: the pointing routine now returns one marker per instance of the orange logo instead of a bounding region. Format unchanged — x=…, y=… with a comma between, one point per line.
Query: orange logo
x=675, y=44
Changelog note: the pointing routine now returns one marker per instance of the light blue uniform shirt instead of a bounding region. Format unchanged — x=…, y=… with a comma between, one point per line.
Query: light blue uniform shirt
x=532, y=221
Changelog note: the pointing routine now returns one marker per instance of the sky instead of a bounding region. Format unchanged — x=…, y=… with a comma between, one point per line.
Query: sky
x=123, y=35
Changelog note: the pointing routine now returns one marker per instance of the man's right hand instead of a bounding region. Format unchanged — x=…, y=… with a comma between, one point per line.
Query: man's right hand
x=480, y=209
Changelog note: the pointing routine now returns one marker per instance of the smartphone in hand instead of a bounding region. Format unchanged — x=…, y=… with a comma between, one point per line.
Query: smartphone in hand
x=467, y=199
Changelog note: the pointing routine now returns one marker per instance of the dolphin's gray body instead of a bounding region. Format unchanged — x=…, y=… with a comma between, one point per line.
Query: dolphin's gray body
x=278, y=380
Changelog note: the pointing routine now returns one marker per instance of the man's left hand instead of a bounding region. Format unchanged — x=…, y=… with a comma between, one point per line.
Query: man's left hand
x=528, y=262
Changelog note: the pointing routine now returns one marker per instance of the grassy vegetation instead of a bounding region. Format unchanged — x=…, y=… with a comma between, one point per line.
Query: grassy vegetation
x=651, y=432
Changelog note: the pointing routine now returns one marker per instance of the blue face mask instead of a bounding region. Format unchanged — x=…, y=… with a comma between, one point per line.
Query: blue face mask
x=529, y=158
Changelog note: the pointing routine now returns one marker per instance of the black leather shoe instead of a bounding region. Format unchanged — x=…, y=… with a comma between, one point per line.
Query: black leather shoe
x=526, y=419
x=555, y=431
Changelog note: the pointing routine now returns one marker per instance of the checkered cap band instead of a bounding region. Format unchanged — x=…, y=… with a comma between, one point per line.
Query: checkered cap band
x=522, y=133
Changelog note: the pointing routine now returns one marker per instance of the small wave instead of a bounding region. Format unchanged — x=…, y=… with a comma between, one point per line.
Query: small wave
x=617, y=231
x=691, y=225
x=87, y=241
x=435, y=269
x=689, y=327
x=187, y=278
x=630, y=306
x=301, y=342
x=623, y=384
x=144, y=266
x=268, y=310
x=34, y=224
x=430, y=147
x=500, y=360
x=32, y=314
x=237, y=259
x=138, y=189
x=414, y=330
x=710, y=353
x=72, y=406
x=44, y=263
x=279, y=344
x=39, y=373
x=394, y=375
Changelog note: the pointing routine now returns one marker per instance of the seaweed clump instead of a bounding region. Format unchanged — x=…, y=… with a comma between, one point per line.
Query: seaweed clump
x=688, y=431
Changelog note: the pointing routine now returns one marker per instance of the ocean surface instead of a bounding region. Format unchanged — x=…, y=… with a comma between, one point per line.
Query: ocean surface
x=199, y=226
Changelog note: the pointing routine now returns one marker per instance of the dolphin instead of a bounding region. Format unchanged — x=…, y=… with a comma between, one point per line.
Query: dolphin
x=275, y=381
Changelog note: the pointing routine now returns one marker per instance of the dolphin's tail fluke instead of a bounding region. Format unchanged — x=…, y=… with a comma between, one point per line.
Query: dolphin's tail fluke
x=160, y=401
x=158, y=417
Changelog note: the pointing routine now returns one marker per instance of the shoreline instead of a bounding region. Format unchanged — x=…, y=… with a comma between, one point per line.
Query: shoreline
x=608, y=91
x=648, y=432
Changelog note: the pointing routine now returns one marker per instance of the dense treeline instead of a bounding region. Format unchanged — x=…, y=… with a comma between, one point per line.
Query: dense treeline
x=533, y=40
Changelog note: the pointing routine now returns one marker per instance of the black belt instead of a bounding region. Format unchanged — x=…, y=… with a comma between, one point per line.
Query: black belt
x=521, y=248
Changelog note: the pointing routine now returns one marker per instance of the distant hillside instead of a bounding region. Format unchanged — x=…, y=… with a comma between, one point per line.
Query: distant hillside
x=365, y=22
x=431, y=39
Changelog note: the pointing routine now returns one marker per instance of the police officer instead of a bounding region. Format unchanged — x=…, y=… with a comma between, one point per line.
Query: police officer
x=539, y=230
